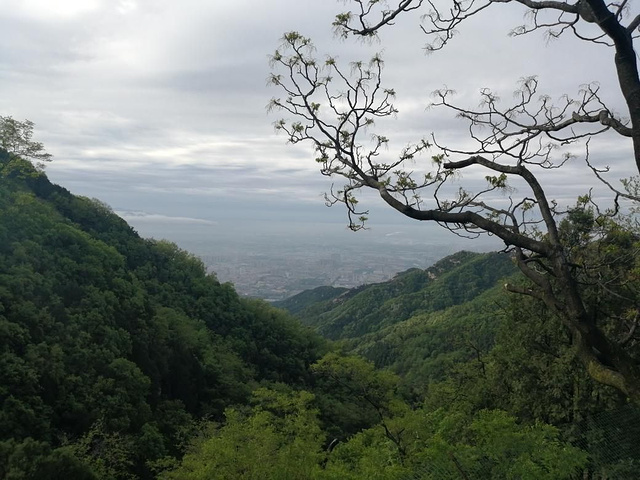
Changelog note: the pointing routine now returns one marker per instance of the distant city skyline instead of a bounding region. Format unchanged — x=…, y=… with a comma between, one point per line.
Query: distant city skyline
x=285, y=258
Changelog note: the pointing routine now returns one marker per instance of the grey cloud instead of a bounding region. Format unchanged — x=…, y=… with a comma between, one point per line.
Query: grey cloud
x=141, y=217
x=161, y=108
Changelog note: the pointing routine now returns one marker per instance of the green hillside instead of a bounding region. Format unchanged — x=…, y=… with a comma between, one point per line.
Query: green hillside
x=315, y=298
x=110, y=339
x=458, y=341
x=425, y=347
x=419, y=324
x=120, y=358
x=454, y=280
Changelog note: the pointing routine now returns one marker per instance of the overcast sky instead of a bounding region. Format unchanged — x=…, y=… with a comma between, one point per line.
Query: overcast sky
x=158, y=106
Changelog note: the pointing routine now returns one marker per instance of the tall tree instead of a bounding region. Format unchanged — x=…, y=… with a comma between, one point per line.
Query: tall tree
x=335, y=108
x=16, y=138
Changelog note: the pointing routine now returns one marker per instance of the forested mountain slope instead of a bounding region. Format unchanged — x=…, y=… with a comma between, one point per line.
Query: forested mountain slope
x=454, y=280
x=420, y=323
x=460, y=343
x=120, y=358
x=111, y=346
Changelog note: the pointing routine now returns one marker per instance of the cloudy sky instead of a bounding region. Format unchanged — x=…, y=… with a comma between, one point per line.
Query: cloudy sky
x=157, y=107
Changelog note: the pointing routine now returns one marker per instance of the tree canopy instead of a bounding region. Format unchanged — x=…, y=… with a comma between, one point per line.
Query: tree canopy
x=16, y=137
x=335, y=107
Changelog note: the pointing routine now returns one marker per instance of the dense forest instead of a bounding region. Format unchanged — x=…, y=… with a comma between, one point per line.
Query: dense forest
x=114, y=348
x=121, y=358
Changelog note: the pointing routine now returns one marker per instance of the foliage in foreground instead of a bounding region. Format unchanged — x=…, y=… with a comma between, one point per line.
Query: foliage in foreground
x=280, y=438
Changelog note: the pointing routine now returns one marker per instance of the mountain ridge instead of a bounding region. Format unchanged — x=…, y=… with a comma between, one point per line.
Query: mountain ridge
x=342, y=314
x=113, y=347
